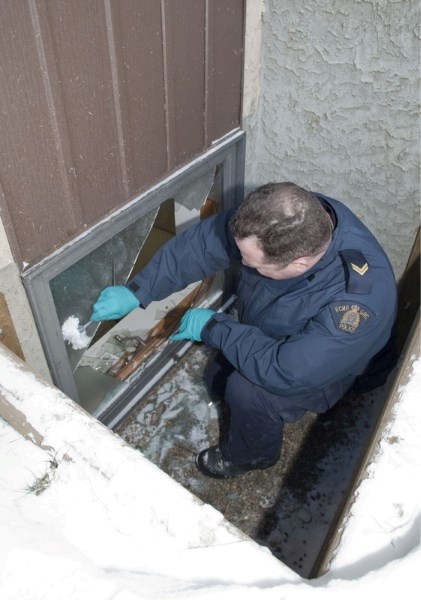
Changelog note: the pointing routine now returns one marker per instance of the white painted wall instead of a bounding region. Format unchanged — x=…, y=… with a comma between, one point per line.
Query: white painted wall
x=338, y=107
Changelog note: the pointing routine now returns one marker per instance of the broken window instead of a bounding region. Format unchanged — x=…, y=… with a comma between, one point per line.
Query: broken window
x=125, y=358
x=120, y=350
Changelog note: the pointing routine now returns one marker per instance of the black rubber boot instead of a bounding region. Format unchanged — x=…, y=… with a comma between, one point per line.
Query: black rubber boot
x=212, y=462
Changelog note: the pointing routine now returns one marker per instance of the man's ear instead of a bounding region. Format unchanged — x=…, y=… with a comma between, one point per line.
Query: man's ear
x=302, y=264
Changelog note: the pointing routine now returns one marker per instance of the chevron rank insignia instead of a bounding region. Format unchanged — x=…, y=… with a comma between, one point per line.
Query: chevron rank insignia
x=360, y=270
x=357, y=272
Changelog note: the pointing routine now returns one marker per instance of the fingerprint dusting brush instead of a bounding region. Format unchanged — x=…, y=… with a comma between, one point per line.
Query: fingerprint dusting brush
x=75, y=334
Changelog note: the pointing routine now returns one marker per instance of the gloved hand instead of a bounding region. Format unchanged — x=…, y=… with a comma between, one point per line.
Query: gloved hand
x=113, y=303
x=192, y=323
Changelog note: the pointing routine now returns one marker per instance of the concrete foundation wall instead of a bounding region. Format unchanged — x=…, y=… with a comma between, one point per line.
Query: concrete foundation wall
x=338, y=108
x=20, y=311
x=23, y=321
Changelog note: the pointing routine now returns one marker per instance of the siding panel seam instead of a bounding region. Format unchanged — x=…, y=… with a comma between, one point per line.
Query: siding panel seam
x=116, y=95
x=206, y=103
x=166, y=100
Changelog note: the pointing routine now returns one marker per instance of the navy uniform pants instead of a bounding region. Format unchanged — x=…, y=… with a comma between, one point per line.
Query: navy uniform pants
x=257, y=417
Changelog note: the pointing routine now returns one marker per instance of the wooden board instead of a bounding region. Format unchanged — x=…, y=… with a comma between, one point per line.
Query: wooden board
x=159, y=334
x=8, y=334
x=18, y=421
x=409, y=294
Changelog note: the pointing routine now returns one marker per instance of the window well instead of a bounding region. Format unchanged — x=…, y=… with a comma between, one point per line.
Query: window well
x=124, y=356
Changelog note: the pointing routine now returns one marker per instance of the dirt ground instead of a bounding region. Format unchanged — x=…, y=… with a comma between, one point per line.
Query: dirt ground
x=287, y=508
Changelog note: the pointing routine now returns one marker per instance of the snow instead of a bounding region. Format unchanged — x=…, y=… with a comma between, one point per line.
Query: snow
x=86, y=516
x=388, y=501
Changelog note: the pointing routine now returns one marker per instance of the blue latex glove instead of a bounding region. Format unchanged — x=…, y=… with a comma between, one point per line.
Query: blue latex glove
x=192, y=323
x=113, y=303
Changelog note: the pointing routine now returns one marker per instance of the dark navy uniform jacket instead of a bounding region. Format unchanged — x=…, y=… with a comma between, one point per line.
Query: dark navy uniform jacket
x=293, y=336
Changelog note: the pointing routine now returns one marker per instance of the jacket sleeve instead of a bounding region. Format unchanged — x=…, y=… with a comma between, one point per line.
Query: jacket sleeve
x=306, y=361
x=201, y=250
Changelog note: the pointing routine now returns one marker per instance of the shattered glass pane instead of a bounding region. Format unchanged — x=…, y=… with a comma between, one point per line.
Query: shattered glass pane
x=76, y=289
x=194, y=194
x=116, y=261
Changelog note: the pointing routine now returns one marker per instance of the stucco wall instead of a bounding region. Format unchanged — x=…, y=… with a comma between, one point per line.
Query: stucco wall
x=338, y=109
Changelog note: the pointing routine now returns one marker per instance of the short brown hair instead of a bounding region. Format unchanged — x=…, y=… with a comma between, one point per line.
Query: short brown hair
x=288, y=222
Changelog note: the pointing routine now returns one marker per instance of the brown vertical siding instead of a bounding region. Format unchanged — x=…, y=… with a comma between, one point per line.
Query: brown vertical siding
x=101, y=98
x=185, y=75
x=224, y=66
x=140, y=66
x=38, y=193
x=79, y=52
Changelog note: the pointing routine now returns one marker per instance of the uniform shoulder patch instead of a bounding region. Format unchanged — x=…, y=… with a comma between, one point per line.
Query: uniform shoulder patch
x=350, y=317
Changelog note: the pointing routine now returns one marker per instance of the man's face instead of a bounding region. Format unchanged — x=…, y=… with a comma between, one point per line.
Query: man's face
x=253, y=257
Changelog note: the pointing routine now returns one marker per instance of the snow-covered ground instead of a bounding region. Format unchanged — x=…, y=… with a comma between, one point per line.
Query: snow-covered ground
x=87, y=517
